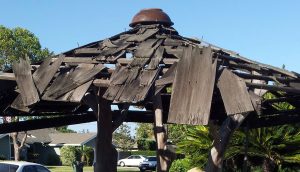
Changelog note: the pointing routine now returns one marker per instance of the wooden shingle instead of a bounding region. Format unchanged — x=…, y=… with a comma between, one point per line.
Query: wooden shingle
x=234, y=93
x=193, y=87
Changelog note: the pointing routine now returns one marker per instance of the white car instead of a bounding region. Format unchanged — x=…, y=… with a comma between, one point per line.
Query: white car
x=133, y=160
x=21, y=166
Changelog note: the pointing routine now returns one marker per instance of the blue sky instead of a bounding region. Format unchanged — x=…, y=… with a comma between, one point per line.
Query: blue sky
x=266, y=31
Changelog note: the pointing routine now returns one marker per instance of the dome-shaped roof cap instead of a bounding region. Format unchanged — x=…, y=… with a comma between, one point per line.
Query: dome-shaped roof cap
x=151, y=16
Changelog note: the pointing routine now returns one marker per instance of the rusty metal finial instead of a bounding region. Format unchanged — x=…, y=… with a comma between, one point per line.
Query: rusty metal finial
x=151, y=16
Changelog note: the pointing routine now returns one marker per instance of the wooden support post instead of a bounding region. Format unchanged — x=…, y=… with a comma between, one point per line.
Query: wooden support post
x=164, y=157
x=246, y=145
x=121, y=118
x=106, y=156
x=221, y=140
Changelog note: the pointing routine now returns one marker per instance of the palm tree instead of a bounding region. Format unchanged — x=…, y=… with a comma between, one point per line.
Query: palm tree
x=275, y=145
x=196, y=145
x=86, y=154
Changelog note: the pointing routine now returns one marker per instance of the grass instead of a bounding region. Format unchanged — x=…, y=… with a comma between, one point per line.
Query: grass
x=86, y=169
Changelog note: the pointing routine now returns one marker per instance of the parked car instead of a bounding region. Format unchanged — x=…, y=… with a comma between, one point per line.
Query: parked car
x=133, y=160
x=22, y=166
x=149, y=164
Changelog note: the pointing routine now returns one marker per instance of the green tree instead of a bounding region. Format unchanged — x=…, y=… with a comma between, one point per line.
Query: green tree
x=144, y=131
x=122, y=137
x=65, y=129
x=145, y=137
x=69, y=154
x=177, y=132
x=14, y=44
x=17, y=43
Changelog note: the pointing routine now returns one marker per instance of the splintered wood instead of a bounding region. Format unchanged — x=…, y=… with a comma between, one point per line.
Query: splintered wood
x=43, y=75
x=28, y=91
x=193, y=87
x=71, y=80
x=130, y=85
x=234, y=93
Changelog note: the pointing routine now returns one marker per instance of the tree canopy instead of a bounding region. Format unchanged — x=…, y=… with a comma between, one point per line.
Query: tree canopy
x=122, y=138
x=19, y=42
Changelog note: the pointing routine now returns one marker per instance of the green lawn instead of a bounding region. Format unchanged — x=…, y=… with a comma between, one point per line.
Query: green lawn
x=87, y=169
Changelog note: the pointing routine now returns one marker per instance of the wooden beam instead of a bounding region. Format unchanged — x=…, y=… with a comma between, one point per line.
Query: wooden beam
x=97, y=82
x=273, y=87
x=45, y=123
x=169, y=61
x=7, y=76
x=266, y=78
x=69, y=59
x=121, y=118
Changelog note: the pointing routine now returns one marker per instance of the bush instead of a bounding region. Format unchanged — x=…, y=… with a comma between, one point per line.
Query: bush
x=180, y=165
x=52, y=159
x=69, y=154
x=2, y=157
x=146, y=144
x=145, y=153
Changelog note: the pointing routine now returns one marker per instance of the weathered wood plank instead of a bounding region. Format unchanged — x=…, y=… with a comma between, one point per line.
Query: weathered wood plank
x=138, y=62
x=234, y=93
x=101, y=82
x=117, y=79
x=114, y=51
x=114, y=58
x=78, y=60
x=147, y=48
x=44, y=74
x=142, y=37
x=87, y=51
x=169, y=74
x=147, y=79
x=130, y=84
x=19, y=105
x=193, y=87
x=80, y=91
x=57, y=84
x=156, y=59
x=82, y=74
x=173, y=42
x=168, y=61
x=28, y=91
x=273, y=87
x=177, y=52
x=126, y=89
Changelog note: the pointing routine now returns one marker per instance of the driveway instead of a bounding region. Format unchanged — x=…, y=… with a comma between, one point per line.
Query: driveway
x=128, y=169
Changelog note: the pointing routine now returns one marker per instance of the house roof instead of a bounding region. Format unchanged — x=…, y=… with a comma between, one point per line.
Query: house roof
x=3, y=135
x=72, y=139
x=54, y=138
x=38, y=136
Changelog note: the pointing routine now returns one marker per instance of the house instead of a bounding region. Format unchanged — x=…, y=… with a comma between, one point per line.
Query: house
x=5, y=150
x=71, y=139
x=43, y=146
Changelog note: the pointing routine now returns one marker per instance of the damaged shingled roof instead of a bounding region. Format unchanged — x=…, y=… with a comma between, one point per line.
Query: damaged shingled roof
x=206, y=82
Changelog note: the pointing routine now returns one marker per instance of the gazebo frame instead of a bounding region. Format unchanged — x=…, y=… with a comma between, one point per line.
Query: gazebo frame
x=209, y=86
